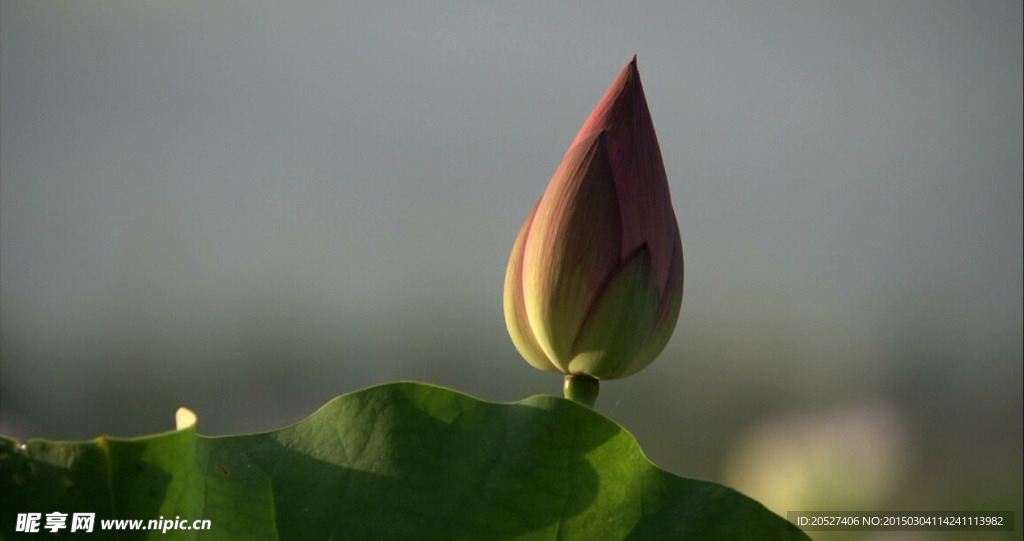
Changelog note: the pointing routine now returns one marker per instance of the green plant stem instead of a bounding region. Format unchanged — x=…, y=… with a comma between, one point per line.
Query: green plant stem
x=582, y=388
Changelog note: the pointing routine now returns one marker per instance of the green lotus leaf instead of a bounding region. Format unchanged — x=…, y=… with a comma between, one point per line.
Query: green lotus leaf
x=396, y=461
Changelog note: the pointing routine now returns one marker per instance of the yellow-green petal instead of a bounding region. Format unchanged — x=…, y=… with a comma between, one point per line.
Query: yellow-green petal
x=620, y=320
x=573, y=245
x=515, y=309
x=668, y=314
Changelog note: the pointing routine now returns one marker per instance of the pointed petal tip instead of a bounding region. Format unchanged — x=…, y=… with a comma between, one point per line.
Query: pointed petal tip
x=631, y=67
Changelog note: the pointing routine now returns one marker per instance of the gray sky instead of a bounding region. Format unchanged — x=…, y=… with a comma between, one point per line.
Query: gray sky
x=842, y=172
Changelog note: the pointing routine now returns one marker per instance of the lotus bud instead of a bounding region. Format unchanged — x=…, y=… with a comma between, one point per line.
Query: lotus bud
x=595, y=279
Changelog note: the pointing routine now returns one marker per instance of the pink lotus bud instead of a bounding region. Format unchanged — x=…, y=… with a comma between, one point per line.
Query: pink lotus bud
x=595, y=279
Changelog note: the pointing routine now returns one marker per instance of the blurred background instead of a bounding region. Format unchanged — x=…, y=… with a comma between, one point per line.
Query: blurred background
x=250, y=208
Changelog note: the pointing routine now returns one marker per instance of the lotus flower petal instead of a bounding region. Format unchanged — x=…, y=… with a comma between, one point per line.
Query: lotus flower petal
x=638, y=169
x=620, y=320
x=571, y=249
x=515, y=307
x=667, y=315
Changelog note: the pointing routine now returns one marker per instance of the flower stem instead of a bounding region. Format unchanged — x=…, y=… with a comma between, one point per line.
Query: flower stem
x=582, y=388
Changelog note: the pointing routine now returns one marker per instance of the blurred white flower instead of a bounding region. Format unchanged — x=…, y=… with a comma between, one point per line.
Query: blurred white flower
x=848, y=458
